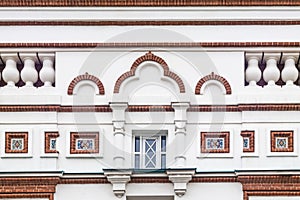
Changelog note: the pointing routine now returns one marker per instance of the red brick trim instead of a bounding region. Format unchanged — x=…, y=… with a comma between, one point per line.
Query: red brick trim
x=270, y=185
x=151, y=23
x=9, y=136
x=285, y=134
x=215, y=77
x=84, y=135
x=212, y=179
x=149, y=57
x=28, y=187
x=149, y=180
x=270, y=193
x=150, y=108
x=103, y=108
x=224, y=135
x=49, y=196
x=48, y=137
x=84, y=181
x=89, y=77
x=151, y=44
x=251, y=136
x=127, y=3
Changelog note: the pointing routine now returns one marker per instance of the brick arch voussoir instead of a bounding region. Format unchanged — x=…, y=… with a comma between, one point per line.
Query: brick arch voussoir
x=89, y=77
x=149, y=57
x=216, y=77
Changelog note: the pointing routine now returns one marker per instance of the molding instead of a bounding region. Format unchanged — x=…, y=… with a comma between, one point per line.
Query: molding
x=144, y=3
x=149, y=57
x=150, y=44
x=151, y=108
x=88, y=77
x=153, y=23
x=201, y=83
x=83, y=181
x=28, y=187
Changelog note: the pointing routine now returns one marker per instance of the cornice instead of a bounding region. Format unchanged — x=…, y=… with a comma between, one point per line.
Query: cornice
x=151, y=44
x=151, y=23
x=144, y=3
x=151, y=108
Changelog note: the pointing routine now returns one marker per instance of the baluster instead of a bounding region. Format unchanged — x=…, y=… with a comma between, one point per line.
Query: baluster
x=29, y=73
x=47, y=73
x=289, y=73
x=271, y=74
x=10, y=73
x=253, y=72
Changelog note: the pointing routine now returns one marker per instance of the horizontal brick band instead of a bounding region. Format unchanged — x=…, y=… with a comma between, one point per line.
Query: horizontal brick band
x=151, y=23
x=125, y=3
x=150, y=44
x=152, y=108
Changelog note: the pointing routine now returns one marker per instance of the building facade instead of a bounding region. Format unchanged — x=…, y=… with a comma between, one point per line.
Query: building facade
x=152, y=100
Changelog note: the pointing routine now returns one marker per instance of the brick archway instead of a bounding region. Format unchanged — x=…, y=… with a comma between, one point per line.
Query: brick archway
x=215, y=77
x=149, y=57
x=82, y=77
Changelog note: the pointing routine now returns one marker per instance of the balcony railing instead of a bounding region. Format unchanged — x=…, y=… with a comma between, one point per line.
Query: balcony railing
x=272, y=69
x=27, y=70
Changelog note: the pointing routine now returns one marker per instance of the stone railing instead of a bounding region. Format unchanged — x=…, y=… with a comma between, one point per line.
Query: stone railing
x=27, y=70
x=272, y=69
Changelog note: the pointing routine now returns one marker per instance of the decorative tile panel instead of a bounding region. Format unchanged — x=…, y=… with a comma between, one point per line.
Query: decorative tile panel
x=84, y=142
x=248, y=141
x=16, y=142
x=282, y=141
x=51, y=141
x=215, y=142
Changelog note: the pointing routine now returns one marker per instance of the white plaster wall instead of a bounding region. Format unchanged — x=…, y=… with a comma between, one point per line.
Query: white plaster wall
x=226, y=191
x=84, y=191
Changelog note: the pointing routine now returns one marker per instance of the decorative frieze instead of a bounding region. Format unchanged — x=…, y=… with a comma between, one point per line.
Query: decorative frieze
x=282, y=141
x=84, y=142
x=51, y=142
x=16, y=142
x=248, y=141
x=215, y=142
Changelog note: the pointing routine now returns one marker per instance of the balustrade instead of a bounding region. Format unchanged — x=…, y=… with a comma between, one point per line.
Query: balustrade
x=28, y=70
x=272, y=69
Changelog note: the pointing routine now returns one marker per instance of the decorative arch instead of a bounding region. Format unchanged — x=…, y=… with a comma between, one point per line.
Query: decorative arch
x=214, y=77
x=149, y=57
x=83, y=77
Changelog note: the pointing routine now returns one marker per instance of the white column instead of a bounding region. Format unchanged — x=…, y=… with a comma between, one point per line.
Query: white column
x=253, y=72
x=271, y=74
x=180, y=121
x=29, y=73
x=10, y=73
x=118, y=120
x=47, y=73
x=289, y=73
